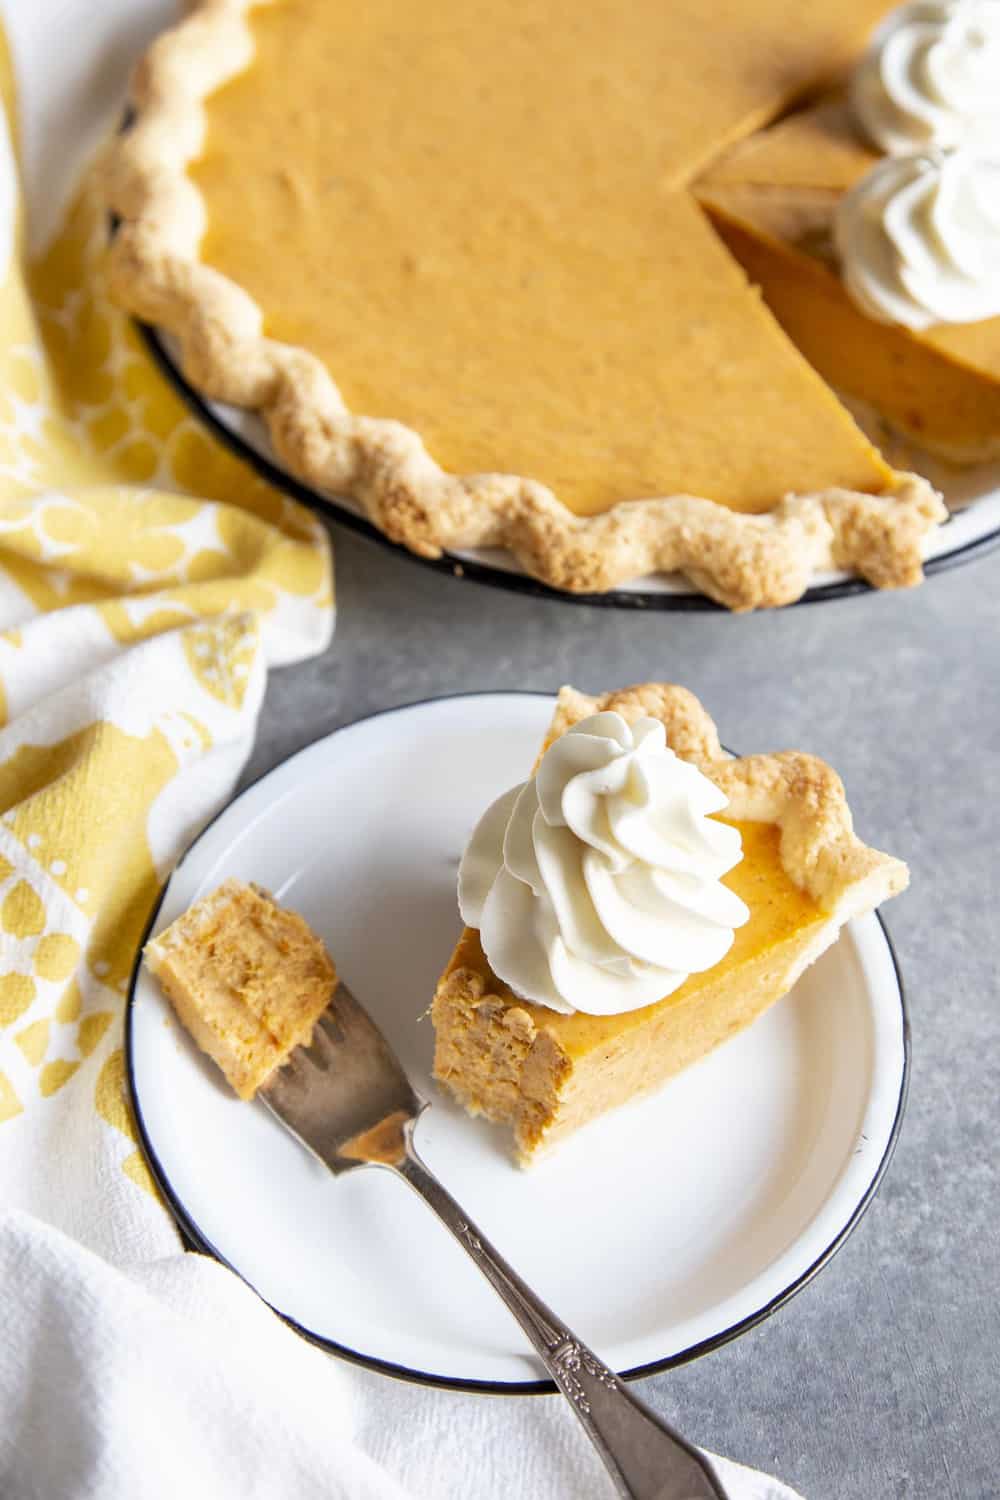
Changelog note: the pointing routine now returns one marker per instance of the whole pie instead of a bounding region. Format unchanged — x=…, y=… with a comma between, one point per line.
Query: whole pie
x=454, y=256
x=802, y=875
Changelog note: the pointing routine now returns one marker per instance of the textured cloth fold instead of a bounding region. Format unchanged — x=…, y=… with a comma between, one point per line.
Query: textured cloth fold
x=167, y=1378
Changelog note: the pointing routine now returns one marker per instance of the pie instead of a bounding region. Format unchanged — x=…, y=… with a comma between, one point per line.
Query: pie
x=247, y=978
x=454, y=259
x=803, y=874
x=772, y=198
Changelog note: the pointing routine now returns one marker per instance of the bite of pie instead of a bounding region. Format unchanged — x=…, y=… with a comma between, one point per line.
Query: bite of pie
x=455, y=260
x=248, y=979
x=803, y=874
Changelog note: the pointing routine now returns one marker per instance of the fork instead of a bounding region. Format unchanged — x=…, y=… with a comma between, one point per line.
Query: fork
x=346, y=1098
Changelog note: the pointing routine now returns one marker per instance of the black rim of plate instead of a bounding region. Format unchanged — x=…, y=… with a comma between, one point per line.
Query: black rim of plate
x=452, y=566
x=199, y=1241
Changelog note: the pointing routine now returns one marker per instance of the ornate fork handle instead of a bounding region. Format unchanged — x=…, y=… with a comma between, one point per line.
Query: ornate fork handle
x=644, y=1456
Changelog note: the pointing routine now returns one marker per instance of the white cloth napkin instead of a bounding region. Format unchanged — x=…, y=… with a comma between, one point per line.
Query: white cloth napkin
x=168, y=1377
x=129, y=1369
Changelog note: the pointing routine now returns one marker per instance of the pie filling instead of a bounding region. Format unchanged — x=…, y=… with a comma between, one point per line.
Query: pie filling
x=247, y=978
x=547, y=1074
x=930, y=385
x=479, y=224
x=778, y=909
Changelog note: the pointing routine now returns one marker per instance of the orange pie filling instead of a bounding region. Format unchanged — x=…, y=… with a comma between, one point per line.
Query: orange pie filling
x=246, y=977
x=546, y=1074
x=483, y=233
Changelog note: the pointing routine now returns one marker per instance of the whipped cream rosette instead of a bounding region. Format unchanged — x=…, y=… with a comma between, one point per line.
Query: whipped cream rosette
x=919, y=239
x=595, y=885
x=932, y=78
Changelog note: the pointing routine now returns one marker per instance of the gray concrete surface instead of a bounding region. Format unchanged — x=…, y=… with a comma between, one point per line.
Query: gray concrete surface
x=882, y=1378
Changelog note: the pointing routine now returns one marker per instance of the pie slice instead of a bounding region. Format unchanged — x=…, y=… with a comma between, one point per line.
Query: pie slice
x=803, y=874
x=773, y=198
x=247, y=978
x=477, y=221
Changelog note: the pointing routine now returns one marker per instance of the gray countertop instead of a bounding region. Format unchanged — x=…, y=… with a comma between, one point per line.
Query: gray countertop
x=882, y=1378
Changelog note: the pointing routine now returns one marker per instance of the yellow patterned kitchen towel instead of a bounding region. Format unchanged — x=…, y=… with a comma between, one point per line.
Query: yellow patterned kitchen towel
x=147, y=582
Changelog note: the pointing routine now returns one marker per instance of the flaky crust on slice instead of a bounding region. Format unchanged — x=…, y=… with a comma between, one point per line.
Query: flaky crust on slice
x=518, y=1064
x=800, y=793
x=741, y=561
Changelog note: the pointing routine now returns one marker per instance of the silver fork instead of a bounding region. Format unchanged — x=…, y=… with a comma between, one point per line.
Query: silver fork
x=348, y=1101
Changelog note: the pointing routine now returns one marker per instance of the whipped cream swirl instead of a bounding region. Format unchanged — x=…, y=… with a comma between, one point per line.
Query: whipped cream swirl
x=932, y=78
x=595, y=885
x=919, y=239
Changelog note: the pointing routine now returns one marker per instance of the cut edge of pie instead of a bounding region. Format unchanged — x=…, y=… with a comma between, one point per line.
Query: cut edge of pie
x=740, y=560
x=773, y=199
x=544, y=1074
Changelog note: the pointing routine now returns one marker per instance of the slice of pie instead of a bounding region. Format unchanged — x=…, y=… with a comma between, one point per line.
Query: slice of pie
x=453, y=259
x=248, y=979
x=803, y=874
x=773, y=198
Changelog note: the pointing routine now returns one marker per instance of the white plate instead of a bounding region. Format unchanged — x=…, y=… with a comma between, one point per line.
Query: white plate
x=972, y=495
x=656, y=1233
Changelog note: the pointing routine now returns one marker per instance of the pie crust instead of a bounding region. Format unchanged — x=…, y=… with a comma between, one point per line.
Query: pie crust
x=742, y=561
x=546, y=1074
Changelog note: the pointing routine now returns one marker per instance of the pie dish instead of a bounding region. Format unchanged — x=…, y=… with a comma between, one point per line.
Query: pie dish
x=804, y=873
x=773, y=198
x=247, y=978
x=538, y=340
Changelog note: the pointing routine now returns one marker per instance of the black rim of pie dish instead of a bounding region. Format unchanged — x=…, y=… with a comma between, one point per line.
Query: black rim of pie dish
x=457, y=567
x=195, y=1239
